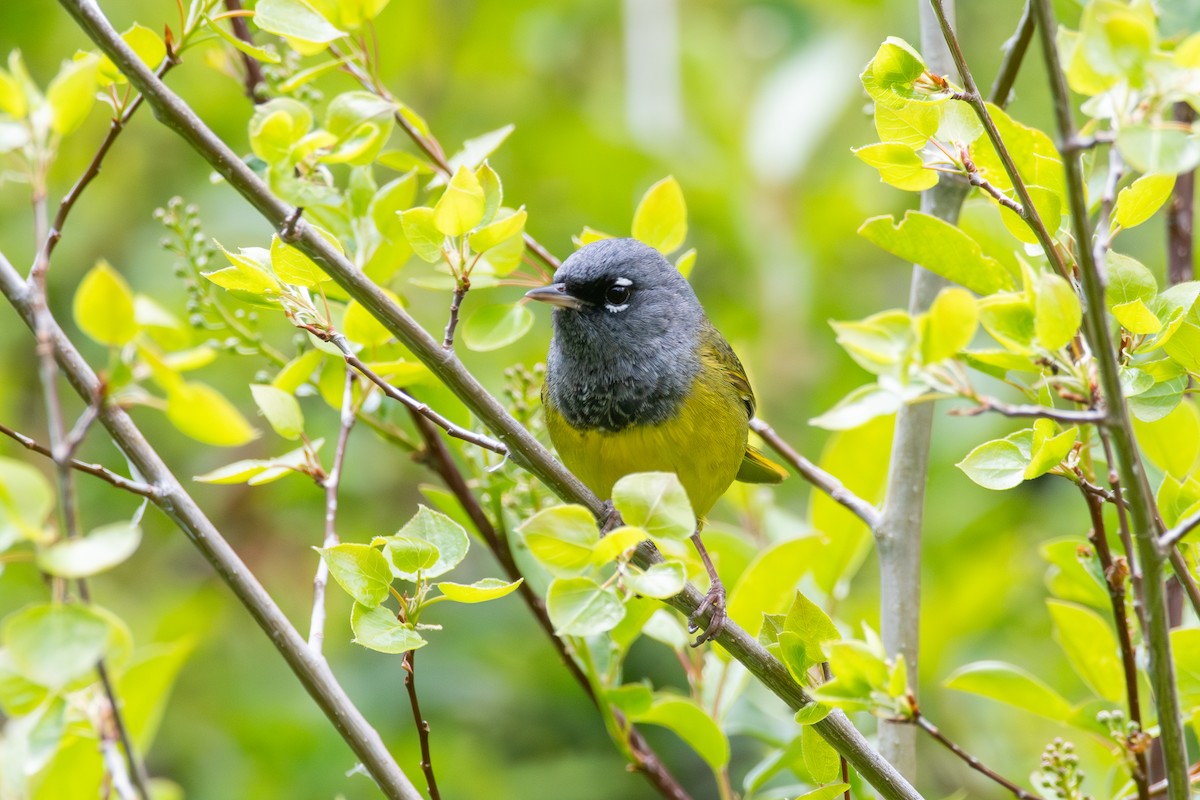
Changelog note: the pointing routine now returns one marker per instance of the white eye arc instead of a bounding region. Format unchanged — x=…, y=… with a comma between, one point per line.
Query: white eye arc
x=615, y=309
x=622, y=282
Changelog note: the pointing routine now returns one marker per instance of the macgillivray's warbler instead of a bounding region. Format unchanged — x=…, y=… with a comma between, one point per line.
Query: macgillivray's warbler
x=638, y=380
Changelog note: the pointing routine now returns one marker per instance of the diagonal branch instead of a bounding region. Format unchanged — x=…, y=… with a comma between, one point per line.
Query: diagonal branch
x=178, y=505
x=523, y=448
x=95, y=470
x=1014, y=55
x=1175, y=535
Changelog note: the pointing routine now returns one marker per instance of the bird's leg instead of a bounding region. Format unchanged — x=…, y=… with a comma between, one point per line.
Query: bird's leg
x=612, y=519
x=715, y=599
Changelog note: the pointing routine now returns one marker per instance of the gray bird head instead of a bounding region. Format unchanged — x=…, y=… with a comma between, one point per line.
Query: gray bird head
x=626, y=331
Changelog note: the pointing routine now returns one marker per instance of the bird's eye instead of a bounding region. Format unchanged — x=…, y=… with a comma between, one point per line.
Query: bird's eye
x=617, y=294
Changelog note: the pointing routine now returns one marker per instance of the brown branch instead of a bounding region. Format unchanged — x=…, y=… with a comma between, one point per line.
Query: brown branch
x=460, y=292
x=1180, y=530
x=410, y=683
x=818, y=477
x=1069, y=416
x=1184, y=575
x=971, y=761
x=95, y=470
x=255, y=83
x=1115, y=574
x=1181, y=217
x=1014, y=55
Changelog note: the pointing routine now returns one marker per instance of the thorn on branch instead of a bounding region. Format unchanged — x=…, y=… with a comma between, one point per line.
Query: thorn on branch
x=290, y=232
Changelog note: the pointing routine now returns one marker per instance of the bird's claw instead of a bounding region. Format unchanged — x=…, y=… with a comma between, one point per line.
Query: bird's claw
x=715, y=600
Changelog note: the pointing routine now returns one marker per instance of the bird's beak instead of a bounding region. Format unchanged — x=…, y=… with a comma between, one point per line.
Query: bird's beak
x=556, y=295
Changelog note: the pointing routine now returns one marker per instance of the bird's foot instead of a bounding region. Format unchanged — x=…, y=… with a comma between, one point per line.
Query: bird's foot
x=612, y=519
x=714, y=600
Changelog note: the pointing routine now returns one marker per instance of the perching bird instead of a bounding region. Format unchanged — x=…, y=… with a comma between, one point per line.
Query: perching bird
x=638, y=380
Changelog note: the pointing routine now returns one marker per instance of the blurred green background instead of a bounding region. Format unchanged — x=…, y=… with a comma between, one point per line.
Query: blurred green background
x=754, y=107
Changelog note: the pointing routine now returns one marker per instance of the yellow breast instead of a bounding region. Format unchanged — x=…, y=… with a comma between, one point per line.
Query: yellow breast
x=704, y=445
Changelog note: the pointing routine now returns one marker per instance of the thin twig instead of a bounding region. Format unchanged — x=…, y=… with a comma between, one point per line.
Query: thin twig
x=1180, y=530
x=1115, y=575
x=95, y=470
x=970, y=760
x=1133, y=479
x=331, y=483
x=460, y=291
x=1064, y=415
x=524, y=449
x=973, y=98
x=818, y=477
x=1184, y=575
x=411, y=403
x=1108, y=197
x=976, y=179
x=1014, y=55
x=410, y=683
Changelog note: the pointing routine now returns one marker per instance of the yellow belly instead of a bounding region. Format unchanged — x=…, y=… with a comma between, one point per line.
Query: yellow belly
x=704, y=445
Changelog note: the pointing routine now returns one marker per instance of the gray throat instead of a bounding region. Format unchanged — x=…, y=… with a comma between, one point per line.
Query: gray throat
x=602, y=379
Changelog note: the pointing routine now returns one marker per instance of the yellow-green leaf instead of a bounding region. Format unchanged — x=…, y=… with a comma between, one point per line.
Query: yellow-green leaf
x=898, y=165
x=422, y=234
x=280, y=408
x=72, y=93
x=203, y=413
x=104, y=308
x=501, y=230
x=1136, y=317
x=461, y=206
x=1137, y=202
x=950, y=325
x=661, y=217
x=1057, y=312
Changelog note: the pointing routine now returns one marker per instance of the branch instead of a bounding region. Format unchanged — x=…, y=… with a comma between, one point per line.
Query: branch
x=255, y=82
x=523, y=448
x=973, y=98
x=1014, y=54
x=1181, y=529
x=818, y=477
x=1181, y=217
x=95, y=470
x=177, y=504
x=1115, y=575
x=410, y=683
x=1132, y=473
x=1065, y=415
x=412, y=404
x=331, y=482
x=971, y=761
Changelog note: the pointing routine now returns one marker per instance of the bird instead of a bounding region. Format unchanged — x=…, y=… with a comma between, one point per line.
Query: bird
x=639, y=380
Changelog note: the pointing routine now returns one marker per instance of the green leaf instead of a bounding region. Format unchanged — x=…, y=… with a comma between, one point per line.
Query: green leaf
x=492, y=327
x=376, y=628
x=410, y=556
x=581, y=607
x=201, y=412
x=359, y=569
x=12, y=98
x=52, y=645
x=562, y=538
x=249, y=271
x=292, y=266
x=1048, y=206
x=295, y=19
x=617, y=543
x=476, y=149
x=1057, y=311
x=501, y=230
x=1137, y=202
x=768, y=583
x=949, y=326
x=1068, y=578
x=1161, y=148
x=1171, y=443
x=1128, y=280
x=631, y=698
x=959, y=124
x=361, y=326
x=147, y=45
x=391, y=199
x=1012, y=686
x=101, y=549
x=1048, y=449
x=72, y=93
x=831, y=792
x=480, y=591
x=423, y=235
x=881, y=344
x=655, y=502
x=461, y=206
x=1159, y=400
x=890, y=76
x=1135, y=317
x=659, y=581
x=443, y=533
x=1185, y=646
x=910, y=125
x=812, y=713
x=255, y=472
x=819, y=756
x=26, y=499
x=898, y=165
x=493, y=191
x=104, y=306
x=257, y=53
x=689, y=722
x=939, y=247
x=1010, y=319
x=296, y=372
x=1091, y=647
x=998, y=464
x=813, y=626
x=661, y=217
x=280, y=408
x=686, y=262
